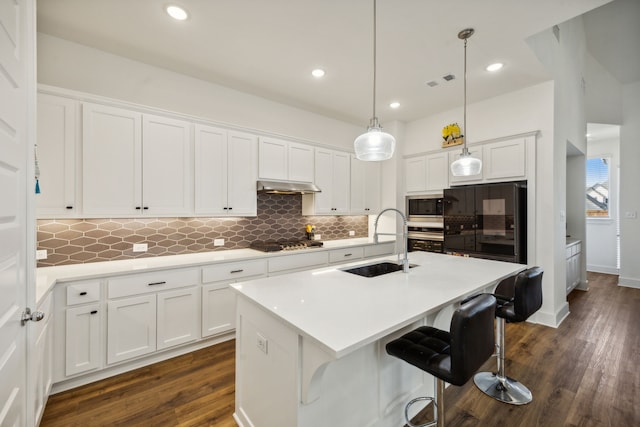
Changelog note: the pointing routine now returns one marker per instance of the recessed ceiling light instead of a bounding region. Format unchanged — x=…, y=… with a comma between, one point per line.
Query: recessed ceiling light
x=317, y=73
x=176, y=12
x=495, y=67
x=394, y=105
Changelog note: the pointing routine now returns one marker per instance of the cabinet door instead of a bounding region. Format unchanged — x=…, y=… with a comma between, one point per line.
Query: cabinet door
x=505, y=159
x=83, y=339
x=340, y=184
x=373, y=176
x=437, y=172
x=273, y=161
x=211, y=171
x=242, y=174
x=300, y=162
x=218, y=309
x=178, y=317
x=131, y=327
x=166, y=166
x=57, y=139
x=324, y=180
x=358, y=186
x=415, y=174
x=111, y=161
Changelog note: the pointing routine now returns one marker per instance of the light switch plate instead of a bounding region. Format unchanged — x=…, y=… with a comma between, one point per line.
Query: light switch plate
x=262, y=343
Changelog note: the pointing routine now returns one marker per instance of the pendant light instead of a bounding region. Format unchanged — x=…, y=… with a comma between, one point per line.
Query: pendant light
x=466, y=164
x=375, y=144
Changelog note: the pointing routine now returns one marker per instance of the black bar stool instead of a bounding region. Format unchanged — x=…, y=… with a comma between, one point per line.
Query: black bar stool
x=518, y=298
x=449, y=356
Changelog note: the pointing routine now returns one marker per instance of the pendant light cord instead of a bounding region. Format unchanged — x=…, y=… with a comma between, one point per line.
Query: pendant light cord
x=464, y=113
x=374, y=119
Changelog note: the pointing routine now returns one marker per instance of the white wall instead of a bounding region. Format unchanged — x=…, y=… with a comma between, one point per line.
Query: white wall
x=601, y=233
x=629, y=193
x=73, y=66
x=604, y=94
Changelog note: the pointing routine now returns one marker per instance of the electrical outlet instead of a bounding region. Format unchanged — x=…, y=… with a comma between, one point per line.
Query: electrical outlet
x=262, y=343
x=140, y=247
x=41, y=254
x=317, y=237
x=631, y=215
x=218, y=242
x=352, y=233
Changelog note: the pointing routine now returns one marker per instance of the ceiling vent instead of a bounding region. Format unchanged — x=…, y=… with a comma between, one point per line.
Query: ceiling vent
x=449, y=77
x=432, y=83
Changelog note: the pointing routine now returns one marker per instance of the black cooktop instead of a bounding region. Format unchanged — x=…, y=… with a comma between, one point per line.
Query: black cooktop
x=284, y=245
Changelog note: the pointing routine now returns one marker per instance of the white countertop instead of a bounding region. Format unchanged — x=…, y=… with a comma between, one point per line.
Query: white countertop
x=343, y=312
x=47, y=277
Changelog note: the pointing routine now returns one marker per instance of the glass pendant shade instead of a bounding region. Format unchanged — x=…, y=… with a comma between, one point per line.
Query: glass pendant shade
x=374, y=145
x=466, y=165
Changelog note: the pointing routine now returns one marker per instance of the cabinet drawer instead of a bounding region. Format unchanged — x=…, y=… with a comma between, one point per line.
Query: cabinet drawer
x=233, y=270
x=298, y=261
x=379, y=249
x=345, y=255
x=151, y=282
x=80, y=293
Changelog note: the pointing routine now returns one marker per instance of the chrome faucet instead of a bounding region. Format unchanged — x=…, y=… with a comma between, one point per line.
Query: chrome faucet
x=405, y=232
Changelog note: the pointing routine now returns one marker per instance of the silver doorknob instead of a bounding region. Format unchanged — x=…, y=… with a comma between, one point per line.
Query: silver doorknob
x=35, y=316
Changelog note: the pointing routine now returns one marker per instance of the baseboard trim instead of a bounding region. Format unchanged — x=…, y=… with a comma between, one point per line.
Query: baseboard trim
x=628, y=282
x=550, y=319
x=603, y=269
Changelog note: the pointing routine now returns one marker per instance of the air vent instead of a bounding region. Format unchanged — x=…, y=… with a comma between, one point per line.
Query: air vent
x=432, y=83
x=449, y=77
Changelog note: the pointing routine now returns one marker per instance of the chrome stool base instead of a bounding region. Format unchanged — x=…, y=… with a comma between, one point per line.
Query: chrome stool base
x=506, y=390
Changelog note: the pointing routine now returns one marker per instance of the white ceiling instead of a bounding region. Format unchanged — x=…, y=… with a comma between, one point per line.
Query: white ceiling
x=269, y=48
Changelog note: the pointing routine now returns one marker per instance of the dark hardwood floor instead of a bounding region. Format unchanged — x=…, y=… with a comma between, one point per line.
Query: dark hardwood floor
x=584, y=373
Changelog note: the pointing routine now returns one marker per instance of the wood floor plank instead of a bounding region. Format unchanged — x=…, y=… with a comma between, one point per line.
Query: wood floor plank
x=582, y=374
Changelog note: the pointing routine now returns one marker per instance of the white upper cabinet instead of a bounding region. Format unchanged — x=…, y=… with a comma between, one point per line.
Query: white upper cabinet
x=285, y=160
x=365, y=187
x=167, y=178
x=57, y=139
x=111, y=161
x=225, y=172
x=427, y=173
x=135, y=163
x=504, y=159
x=333, y=178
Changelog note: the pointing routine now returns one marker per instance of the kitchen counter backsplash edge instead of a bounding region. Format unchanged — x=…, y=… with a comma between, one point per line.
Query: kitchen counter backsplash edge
x=47, y=277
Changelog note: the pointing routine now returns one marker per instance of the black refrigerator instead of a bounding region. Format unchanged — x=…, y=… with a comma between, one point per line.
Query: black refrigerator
x=487, y=221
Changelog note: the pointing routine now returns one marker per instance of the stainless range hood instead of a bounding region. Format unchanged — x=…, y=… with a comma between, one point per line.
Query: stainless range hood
x=279, y=187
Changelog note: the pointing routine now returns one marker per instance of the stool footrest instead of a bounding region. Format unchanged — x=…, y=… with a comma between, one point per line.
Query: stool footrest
x=504, y=389
x=419, y=399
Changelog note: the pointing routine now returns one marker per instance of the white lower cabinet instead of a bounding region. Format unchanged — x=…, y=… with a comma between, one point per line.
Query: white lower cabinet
x=83, y=339
x=574, y=264
x=218, y=301
x=151, y=311
x=131, y=328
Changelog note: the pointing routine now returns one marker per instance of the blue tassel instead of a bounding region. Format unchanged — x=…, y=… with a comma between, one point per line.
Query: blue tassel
x=37, y=186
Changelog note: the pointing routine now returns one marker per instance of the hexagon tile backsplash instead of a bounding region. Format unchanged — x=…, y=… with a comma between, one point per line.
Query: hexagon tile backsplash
x=76, y=241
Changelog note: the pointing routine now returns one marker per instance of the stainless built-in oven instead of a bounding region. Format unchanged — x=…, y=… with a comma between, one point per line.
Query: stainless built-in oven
x=425, y=223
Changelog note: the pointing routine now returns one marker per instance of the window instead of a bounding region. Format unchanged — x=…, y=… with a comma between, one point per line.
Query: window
x=598, y=187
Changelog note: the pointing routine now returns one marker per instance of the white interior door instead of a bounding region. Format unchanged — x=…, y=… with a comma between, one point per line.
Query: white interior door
x=17, y=96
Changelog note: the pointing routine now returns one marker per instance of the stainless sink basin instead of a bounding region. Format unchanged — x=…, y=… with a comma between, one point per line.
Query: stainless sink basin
x=374, y=270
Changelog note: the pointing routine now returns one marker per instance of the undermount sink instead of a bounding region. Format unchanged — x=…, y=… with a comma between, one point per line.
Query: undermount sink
x=374, y=270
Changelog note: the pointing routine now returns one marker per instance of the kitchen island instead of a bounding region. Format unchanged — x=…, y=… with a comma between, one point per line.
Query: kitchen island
x=310, y=346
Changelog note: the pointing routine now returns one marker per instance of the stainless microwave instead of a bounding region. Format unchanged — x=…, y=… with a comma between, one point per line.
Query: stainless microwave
x=423, y=207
